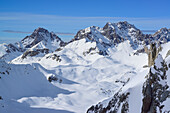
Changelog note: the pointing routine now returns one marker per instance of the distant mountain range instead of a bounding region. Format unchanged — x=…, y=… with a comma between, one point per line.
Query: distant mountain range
x=111, y=34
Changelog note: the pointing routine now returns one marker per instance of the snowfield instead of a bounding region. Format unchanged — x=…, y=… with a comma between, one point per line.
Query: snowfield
x=72, y=78
x=2, y=48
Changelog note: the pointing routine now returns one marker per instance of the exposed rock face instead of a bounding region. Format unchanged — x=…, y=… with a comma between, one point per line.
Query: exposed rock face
x=34, y=52
x=54, y=57
x=152, y=53
x=114, y=32
x=94, y=34
x=118, y=32
x=12, y=48
x=162, y=35
x=89, y=33
x=119, y=99
x=155, y=89
x=89, y=51
x=110, y=35
x=37, y=36
x=167, y=54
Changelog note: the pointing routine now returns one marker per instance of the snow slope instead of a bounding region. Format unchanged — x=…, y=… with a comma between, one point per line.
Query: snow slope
x=97, y=76
x=3, y=48
x=98, y=65
x=130, y=97
x=19, y=82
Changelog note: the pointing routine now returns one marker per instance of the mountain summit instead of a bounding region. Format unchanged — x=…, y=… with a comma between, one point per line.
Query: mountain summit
x=113, y=34
x=40, y=34
x=38, y=40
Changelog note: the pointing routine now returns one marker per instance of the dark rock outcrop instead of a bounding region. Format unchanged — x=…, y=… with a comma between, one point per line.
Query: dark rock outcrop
x=155, y=89
x=34, y=52
x=1, y=98
x=162, y=35
x=152, y=53
x=54, y=78
x=167, y=54
x=119, y=99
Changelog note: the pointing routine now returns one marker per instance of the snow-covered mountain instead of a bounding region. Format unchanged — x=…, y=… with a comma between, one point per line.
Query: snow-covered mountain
x=40, y=41
x=97, y=66
x=40, y=35
x=112, y=34
x=162, y=35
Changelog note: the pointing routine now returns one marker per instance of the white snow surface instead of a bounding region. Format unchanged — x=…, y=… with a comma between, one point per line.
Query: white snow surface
x=88, y=78
x=83, y=79
x=3, y=48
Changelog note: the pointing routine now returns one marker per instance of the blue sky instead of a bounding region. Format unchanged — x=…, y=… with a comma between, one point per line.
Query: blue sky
x=19, y=18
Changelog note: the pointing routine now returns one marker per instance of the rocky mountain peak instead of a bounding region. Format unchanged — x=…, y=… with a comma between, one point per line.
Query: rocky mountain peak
x=39, y=34
x=115, y=32
x=108, y=26
x=162, y=31
x=39, y=29
x=125, y=25
x=40, y=40
x=120, y=25
x=162, y=35
x=111, y=34
x=85, y=33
